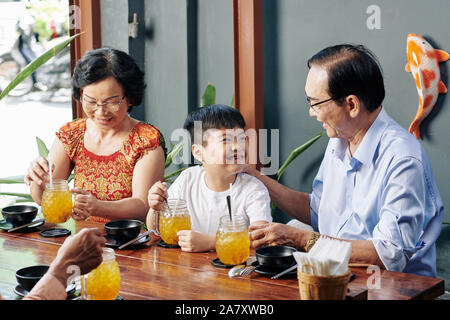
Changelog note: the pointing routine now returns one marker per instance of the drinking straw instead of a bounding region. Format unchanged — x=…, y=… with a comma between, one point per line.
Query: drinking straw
x=229, y=203
x=50, y=169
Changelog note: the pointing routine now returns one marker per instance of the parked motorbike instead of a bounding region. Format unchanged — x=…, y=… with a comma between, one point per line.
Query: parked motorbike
x=53, y=75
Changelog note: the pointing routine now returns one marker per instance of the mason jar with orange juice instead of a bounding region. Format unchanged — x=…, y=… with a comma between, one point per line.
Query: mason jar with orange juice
x=232, y=240
x=57, y=201
x=173, y=218
x=102, y=283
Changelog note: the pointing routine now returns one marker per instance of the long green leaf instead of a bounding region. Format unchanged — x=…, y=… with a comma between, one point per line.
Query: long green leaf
x=173, y=153
x=296, y=152
x=42, y=148
x=173, y=174
x=232, y=103
x=17, y=194
x=19, y=200
x=35, y=64
x=293, y=155
x=209, y=96
x=12, y=180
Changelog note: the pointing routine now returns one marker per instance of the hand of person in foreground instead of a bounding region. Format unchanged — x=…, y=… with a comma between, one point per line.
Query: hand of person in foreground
x=83, y=250
x=193, y=241
x=272, y=234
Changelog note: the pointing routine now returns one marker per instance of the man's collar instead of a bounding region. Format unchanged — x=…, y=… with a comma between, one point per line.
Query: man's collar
x=366, y=150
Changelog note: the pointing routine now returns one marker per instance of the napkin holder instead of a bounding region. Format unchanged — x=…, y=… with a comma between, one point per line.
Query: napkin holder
x=314, y=287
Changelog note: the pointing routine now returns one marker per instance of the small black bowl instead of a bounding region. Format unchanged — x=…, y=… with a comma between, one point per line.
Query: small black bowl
x=29, y=276
x=276, y=257
x=19, y=214
x=123, y=230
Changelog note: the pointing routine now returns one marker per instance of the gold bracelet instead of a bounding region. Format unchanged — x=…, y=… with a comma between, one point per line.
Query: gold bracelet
x=309, y=244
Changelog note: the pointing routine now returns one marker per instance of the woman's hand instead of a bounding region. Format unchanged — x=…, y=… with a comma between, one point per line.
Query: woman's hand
x=84, y=205
x=38, y=172
x=193, y=241
x=157, y=195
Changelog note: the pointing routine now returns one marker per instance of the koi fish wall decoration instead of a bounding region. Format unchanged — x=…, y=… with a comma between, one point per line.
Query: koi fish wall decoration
x=423, y=63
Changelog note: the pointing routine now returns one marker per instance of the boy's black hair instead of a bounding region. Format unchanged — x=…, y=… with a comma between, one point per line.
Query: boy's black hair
x=216, y=116
x=352, y=69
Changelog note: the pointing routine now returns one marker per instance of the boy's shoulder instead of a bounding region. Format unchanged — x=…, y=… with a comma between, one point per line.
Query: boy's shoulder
x=192, y=172
x=251, y=182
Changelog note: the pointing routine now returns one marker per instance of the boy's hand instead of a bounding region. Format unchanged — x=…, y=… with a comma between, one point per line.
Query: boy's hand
x=193, y=241
x=157, y=195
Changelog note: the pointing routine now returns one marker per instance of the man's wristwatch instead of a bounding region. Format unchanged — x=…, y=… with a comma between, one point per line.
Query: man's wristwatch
x=309, y=244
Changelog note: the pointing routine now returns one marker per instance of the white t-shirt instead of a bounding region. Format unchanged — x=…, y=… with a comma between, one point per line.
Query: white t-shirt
x=249, y=196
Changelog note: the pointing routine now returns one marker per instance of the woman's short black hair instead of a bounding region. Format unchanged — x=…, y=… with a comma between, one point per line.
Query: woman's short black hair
x=99, y=64
x=216, y=116
x=352, y=69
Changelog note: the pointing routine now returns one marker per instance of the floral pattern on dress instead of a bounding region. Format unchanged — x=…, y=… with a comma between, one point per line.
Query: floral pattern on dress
x=107, y=177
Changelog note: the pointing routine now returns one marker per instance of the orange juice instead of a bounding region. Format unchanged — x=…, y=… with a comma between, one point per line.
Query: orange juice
x=102, y=283
x=173, y=218
x=57, y=202
x=169, y=225
x=232, y=241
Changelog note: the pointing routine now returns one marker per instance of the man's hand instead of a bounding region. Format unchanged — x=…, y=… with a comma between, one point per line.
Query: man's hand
x=245, y=168
x=83, y=250
x=272, y=234
x=193, y=241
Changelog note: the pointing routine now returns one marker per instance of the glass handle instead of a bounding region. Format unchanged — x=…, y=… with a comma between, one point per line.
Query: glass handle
x=83, y=287
x=156, y=223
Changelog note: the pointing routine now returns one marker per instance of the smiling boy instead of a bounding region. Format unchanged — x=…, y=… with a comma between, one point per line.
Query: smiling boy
x=221, y=149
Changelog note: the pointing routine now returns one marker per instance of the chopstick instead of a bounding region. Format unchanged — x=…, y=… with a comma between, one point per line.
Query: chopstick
x=146, y=233
x=284, y=272
x=26, y=225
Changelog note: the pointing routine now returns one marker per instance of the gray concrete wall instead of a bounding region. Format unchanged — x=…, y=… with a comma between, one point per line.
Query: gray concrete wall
x=114, y=15
x=166, y=64
x=215, y=48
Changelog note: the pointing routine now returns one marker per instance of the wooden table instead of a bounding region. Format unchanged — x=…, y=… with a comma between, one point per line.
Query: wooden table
x=152, y=272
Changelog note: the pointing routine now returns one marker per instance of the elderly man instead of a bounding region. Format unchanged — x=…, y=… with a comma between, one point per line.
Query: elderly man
x=375, y=187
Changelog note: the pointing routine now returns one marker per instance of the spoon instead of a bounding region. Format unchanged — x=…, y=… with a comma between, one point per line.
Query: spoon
x=236, y=270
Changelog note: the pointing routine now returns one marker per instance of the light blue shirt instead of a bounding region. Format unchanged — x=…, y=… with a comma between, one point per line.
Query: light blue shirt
x=385, y=193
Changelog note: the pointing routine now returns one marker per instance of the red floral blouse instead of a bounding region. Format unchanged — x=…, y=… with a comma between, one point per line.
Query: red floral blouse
x=107, y=177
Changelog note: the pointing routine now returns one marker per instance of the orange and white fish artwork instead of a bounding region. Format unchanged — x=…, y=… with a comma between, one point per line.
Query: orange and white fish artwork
x=423, y=63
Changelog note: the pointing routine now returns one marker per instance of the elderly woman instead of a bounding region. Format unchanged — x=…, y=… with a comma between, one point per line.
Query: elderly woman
x=375, y=187
x=115, y=158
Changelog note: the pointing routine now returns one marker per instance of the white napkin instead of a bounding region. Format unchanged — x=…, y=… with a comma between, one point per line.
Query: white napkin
x=328, y=257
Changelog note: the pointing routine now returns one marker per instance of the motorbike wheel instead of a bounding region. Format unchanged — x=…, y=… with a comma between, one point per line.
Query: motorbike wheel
x=9, y=68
